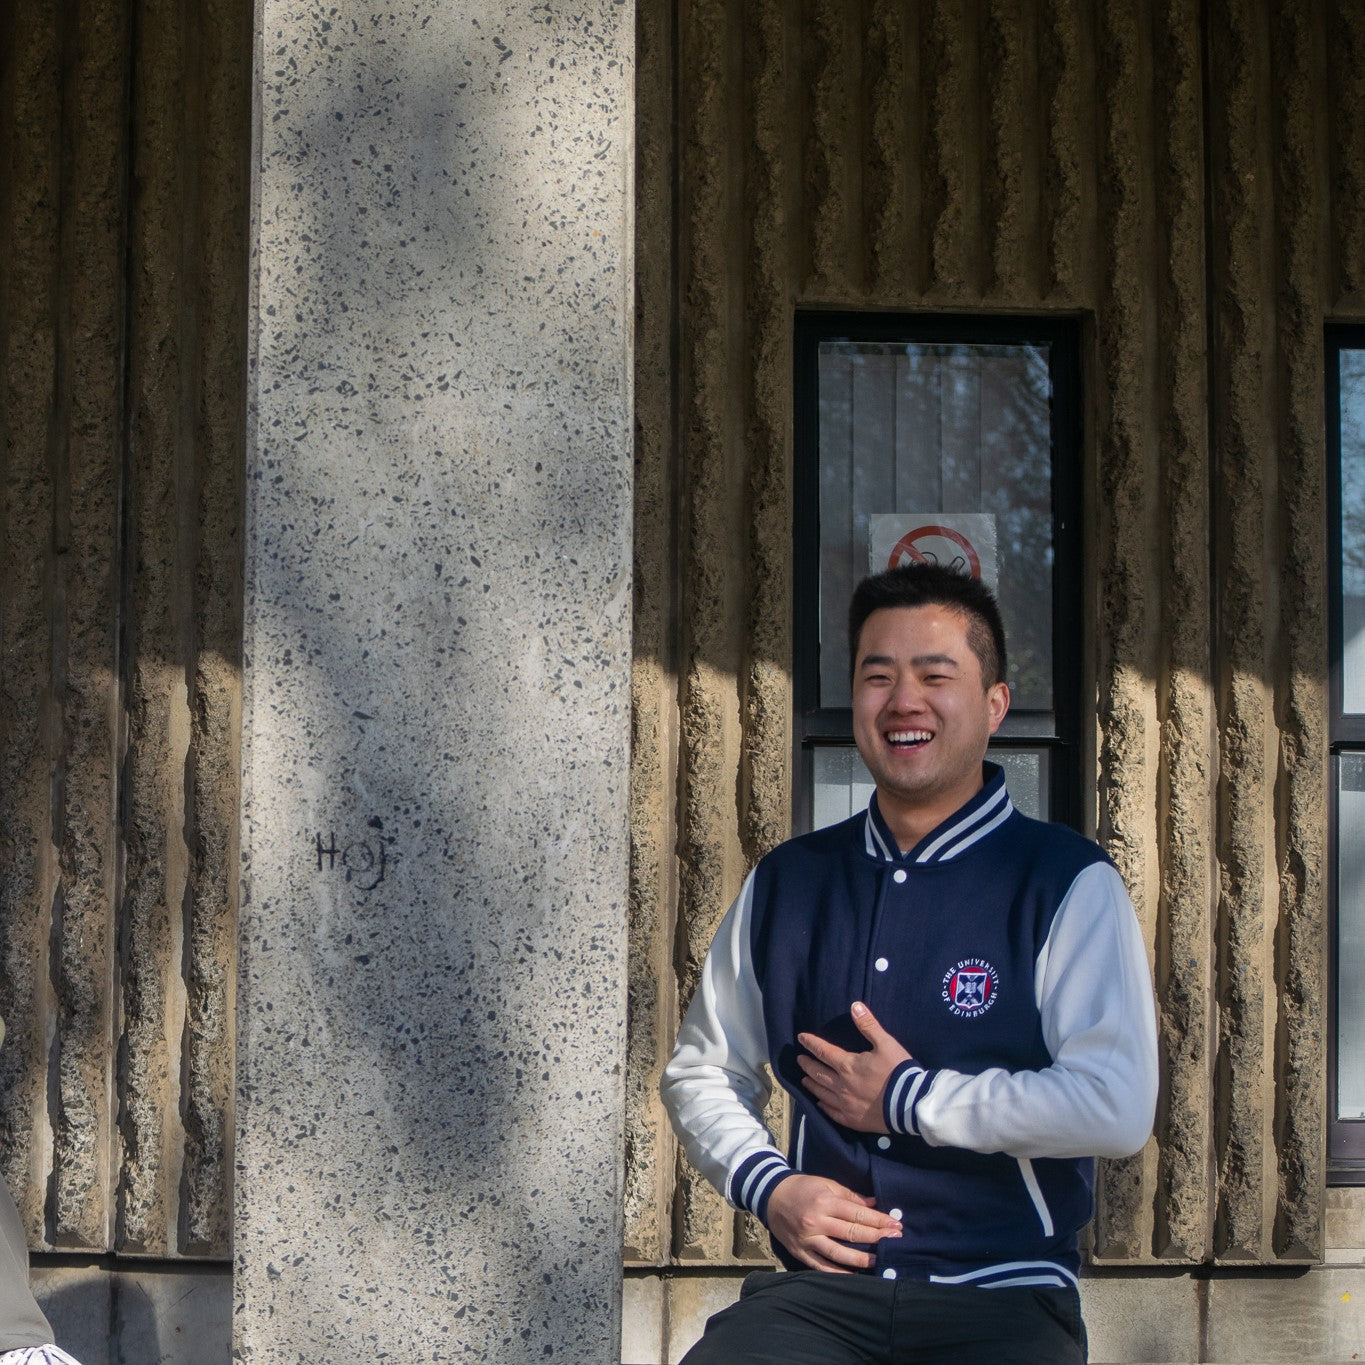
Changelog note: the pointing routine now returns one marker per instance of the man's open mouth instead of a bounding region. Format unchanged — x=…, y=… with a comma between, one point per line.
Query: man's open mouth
x=908, y=739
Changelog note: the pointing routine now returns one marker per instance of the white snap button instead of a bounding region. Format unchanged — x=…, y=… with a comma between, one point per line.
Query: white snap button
x=881, y=964
x=883, y=1142
x=894, y=1213
x=888, y=1274
x=898, y=875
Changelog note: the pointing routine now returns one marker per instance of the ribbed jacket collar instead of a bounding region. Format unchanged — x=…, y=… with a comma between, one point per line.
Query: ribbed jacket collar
x=986, y=811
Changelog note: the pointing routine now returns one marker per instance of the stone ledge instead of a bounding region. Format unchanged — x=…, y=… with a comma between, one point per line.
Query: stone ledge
x=136, y=1315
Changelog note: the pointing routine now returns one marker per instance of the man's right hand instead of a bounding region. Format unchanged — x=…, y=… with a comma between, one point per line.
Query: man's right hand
x=813, y=1217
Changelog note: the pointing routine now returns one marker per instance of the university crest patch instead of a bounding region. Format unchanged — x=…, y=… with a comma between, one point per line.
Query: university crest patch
x=969, y=987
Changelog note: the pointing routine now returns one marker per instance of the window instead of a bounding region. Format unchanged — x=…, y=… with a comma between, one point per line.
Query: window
x=1345, y=352
x=946, y=438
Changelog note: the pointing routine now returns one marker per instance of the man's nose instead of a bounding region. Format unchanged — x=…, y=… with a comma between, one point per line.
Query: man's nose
x=907, y=695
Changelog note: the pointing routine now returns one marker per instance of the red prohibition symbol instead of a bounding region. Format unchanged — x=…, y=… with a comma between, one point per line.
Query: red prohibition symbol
x=906, y=546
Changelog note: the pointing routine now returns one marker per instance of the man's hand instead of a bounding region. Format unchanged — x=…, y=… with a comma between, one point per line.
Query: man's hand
x=849, y=1086
x=812, y=1217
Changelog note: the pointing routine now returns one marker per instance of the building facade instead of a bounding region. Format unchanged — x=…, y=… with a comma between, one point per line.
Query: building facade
x=855, y=232
x=1179, y=186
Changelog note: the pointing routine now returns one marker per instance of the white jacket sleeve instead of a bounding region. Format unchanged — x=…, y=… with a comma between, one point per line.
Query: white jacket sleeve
x=1098, y=1098
x=715, y=1087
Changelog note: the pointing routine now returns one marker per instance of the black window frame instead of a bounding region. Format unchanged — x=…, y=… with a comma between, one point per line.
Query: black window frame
x=1346, y=735
x=815, y=726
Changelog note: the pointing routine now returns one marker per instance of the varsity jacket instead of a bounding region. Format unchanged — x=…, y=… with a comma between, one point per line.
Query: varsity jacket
x=1003, y=953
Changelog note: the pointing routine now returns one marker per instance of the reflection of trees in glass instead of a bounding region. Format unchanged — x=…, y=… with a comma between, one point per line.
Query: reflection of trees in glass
x=951, y=428
x=1017, y=446
x=1351, y=414
x=1350, y=934
x=1352, y=377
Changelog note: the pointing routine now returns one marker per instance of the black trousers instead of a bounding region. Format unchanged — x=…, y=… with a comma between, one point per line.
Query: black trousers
x=809, y=1317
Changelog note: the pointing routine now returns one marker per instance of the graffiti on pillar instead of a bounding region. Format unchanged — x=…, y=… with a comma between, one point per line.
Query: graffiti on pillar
x=363, y=862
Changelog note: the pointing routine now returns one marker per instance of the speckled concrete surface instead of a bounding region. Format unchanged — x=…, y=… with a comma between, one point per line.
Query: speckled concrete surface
x=432, y=985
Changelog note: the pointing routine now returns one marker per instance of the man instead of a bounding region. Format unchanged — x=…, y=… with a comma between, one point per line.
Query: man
x=958, y=1001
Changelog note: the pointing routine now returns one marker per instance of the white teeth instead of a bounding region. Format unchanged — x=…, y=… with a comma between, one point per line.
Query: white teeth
x=909, y=737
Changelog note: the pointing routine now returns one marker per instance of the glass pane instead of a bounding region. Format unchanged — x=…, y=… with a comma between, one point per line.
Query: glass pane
x=1350, y=936
x=843, y=786
x=1027, y=774
x=938, y=452
x=1030, y=724
x=1352, y=376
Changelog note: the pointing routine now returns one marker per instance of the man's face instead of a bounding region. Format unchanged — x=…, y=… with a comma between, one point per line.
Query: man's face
x=921, y=716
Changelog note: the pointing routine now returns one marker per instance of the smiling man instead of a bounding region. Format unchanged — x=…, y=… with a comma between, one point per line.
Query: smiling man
x=956, y=997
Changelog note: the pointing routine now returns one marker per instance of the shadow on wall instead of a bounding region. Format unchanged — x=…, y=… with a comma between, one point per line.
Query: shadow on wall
x=146, y=1317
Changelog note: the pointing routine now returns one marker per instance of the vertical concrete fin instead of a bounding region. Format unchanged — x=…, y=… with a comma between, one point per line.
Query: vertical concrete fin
x=947, y=67
x=95, y=177
x=1244, y=447
x=1185, y=794
x=205, y=1194
x=30, y=133
x=1346, y=91
x=891, y=131
x=1127, y=528
x=765, y=771
x=1065, y=151
x=161, y=529
x=709, y=849
x=221, y=120
x=1010, y=190
x=650, y=1146
x=830, y=161
x=1298, y=44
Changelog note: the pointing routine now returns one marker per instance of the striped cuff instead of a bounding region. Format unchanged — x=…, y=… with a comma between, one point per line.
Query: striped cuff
x=754, y=1180
x=907, y=1085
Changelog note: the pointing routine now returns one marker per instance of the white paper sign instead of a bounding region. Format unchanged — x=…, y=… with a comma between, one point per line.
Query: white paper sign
x=964, y=541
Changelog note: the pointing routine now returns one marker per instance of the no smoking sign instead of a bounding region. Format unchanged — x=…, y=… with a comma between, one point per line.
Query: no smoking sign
x=962, y=541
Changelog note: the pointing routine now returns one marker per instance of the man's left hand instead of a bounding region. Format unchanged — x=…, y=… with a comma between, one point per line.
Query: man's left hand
x=848, y=1086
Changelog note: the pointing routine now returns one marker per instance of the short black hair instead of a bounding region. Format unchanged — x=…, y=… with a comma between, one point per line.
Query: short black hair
x=934, y=585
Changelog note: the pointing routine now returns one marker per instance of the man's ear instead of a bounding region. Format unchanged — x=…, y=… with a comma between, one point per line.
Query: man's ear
x=997, y=703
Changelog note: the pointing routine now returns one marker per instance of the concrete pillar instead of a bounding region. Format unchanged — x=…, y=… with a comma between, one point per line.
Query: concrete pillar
x=435, y=731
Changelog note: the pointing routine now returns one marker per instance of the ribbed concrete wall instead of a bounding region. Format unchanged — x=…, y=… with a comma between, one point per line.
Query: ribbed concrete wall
x=1190, y=183
x=123, y=210
x=1185, y=178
